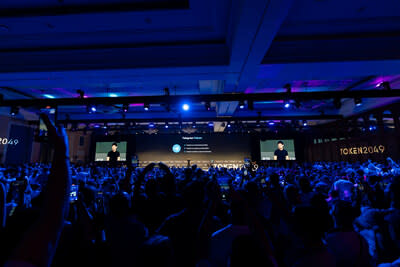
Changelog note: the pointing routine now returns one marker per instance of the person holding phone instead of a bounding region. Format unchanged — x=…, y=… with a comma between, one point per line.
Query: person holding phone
x=113, y=156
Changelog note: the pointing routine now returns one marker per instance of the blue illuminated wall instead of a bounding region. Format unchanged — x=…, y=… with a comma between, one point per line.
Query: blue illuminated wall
x=20, y=152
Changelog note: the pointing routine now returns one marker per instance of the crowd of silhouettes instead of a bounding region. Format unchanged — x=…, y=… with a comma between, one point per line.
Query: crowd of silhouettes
x=319, y=214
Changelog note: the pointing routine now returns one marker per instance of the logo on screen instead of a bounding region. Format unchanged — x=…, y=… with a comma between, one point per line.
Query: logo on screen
x=176, y=148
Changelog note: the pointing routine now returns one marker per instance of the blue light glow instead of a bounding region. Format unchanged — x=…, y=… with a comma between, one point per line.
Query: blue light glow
x=287, y=105
x=48, y=96
x=113, y=95
x=185, y=107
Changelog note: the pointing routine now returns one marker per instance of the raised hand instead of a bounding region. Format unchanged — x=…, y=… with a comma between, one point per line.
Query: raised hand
x=57, y=136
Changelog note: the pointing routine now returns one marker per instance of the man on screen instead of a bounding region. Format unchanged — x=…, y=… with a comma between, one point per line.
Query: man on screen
x=113, y=155
x=281, y=154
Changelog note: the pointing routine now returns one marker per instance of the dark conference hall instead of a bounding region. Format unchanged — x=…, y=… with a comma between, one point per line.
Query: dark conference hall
x=200, y=133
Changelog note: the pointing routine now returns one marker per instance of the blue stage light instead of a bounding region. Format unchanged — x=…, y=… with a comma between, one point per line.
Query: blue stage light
x=358, y=101
x=185, y=107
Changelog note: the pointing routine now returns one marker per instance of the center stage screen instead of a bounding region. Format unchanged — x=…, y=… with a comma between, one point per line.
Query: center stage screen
x=102, y=149
x=201, y=149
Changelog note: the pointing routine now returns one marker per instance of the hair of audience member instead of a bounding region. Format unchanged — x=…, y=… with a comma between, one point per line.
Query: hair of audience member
x=120, y=204
x=168, y=184
x=238, y=211
x=151, y=187
x=157, y=251
x=394, y=192
x=304, y=184
x=246, y=251
x=274, y=179
x=194, y=194
x=308, y=223
x=291, y=193
x=373, y=179
x=188, y=173
x=343, y=215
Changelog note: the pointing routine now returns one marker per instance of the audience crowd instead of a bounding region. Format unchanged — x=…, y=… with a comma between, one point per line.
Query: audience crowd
x=321, y=214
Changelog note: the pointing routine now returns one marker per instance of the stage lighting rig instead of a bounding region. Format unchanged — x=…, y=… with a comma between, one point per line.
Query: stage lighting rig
x=250, y=104
x=14, y=111
x=241, y=104
x=81, y=93
x=125, y=108
x=91, y=109
x=337, y=103
x=208, y=106
x=386, y=86
x=357, y=101
x=166, y=91
x=297, y=103
x=288, y=88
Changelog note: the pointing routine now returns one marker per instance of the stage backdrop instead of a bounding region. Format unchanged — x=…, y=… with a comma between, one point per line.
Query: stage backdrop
x=226, y=150
x=375, y=147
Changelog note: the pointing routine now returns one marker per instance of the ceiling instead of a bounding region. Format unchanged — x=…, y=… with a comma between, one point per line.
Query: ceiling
x=52, y=48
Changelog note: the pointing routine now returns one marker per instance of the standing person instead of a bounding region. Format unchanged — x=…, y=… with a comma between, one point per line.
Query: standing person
x=113, y=156
x=280, y=154
x=39, y=244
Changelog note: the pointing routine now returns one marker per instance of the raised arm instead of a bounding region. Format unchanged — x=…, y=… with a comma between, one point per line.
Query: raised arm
x=3, y=214
x=40, y=242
